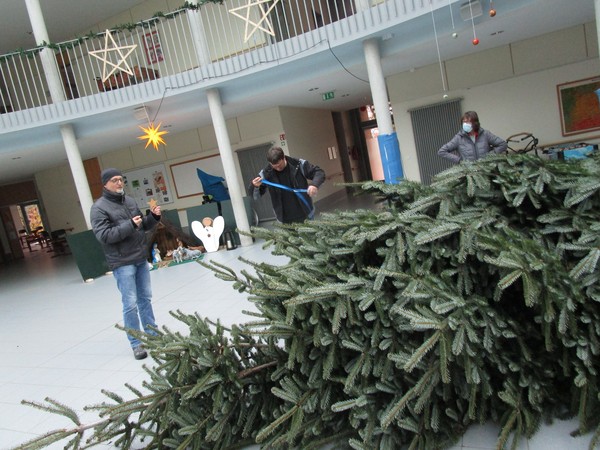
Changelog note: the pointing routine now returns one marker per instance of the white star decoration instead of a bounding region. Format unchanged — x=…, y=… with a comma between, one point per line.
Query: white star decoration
x=257, y=25
x=102, y=56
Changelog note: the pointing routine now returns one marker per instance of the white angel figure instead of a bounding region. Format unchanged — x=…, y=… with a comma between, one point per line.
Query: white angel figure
x=209, y=231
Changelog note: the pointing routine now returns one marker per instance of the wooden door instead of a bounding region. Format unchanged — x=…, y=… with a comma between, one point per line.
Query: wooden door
x=92, y=172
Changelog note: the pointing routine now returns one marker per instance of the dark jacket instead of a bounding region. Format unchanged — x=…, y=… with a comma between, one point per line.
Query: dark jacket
x=111, y=216
x=462, y=148
x=301, y=171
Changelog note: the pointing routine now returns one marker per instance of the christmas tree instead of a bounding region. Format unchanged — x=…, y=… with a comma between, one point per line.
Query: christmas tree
x=470, y=300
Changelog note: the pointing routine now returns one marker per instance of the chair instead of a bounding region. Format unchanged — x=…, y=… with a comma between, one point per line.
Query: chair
x=43, y=238
x=58, y=242
x=23, y=237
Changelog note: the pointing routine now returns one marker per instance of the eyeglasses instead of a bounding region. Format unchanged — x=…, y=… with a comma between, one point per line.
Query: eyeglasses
x=116, y=180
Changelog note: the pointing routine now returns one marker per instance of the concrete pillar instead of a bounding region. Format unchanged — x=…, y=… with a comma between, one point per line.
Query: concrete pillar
x=597, y=11
x=198, y=35
x=235, y=189
x=389, y=146
x=81, y=182
x=46, y=55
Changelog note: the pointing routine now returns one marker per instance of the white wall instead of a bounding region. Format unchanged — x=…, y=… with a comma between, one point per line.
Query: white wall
x=525, y=103
x=308, y=134
x=512, y=88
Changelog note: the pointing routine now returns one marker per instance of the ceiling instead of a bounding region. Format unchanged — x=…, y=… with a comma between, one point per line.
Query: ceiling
x=341, y=69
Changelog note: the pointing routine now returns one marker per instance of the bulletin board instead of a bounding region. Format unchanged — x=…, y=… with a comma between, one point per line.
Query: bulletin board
x=147, y=183
x=185, y=177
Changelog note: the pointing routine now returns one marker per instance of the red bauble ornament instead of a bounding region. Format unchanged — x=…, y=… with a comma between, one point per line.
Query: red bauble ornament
x=492, y=12
x=475, y=41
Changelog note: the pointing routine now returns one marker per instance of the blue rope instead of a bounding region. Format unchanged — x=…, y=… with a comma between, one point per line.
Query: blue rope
x=298, y=193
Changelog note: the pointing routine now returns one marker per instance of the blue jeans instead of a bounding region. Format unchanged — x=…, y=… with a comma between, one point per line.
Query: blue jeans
x=133, y=282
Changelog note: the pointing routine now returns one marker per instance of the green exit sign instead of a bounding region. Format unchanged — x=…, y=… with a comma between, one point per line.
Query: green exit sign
x=328, y=95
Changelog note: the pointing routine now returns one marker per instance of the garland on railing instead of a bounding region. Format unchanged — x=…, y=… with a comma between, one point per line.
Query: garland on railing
x=145, y=24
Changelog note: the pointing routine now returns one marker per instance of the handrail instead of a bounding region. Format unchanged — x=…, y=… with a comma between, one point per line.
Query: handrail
x=193, y=45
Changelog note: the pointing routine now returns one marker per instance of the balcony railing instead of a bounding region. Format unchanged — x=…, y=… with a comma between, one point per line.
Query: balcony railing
x=195, y=44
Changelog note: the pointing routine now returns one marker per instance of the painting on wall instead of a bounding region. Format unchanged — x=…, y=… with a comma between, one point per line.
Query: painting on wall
x=153, y=48
x=148, y=183
x=579, y=106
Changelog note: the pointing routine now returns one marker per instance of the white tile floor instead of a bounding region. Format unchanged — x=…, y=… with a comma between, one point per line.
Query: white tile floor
x=57, y=339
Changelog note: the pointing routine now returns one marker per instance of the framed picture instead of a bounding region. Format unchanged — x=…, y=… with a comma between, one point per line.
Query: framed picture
x=153, y=48
x=579, y=106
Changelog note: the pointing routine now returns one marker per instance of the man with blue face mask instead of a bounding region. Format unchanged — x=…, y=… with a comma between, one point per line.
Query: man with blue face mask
x=472, y=142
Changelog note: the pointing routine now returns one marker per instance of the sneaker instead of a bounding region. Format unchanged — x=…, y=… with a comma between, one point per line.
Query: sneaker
x=139, y=352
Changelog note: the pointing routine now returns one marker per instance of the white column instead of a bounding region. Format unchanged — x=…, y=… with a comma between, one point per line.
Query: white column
x=198, y=35
x=56, y=92
x=597, y=10
x=46, y=55
x=81, y=183
x=378, y=87
x=235, y=189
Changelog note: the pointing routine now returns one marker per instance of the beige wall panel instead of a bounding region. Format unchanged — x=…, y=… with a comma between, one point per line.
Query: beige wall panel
x=543, y=52
x=421, y=82
x=479, y=68
x=260, y=123
x=591, y=39
x=208, y=138
x=308, y=134
x=121, y=159
x=143, y=157
x=182, y=144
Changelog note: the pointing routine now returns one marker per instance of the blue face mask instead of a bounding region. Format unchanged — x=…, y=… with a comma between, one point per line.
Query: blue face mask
x=467, y=127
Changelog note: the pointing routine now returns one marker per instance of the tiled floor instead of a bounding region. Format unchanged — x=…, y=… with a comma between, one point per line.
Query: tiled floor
x=58, y=340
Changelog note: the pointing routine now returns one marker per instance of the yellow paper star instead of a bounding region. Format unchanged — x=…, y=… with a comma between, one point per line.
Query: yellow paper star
x=153, y=136
x=102, y=56
x=257, y=25
x=152, y=204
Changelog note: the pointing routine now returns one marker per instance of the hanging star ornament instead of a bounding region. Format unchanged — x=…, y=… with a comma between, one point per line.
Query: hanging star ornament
x=153, y=135
x=123, y=52
x=263, y=17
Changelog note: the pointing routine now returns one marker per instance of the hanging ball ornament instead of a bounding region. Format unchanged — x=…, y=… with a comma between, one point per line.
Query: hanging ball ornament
x=492, y=12
x=455, y=35
x=475, y=41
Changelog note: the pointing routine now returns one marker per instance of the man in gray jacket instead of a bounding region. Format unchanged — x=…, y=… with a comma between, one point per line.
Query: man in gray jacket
x=472, y=142
x=121, y=228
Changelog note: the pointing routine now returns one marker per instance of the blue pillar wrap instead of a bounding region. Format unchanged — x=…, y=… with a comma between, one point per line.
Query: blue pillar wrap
x=389, y=148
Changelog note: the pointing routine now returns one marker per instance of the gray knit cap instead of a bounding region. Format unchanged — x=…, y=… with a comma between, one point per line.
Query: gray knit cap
x=107, y=174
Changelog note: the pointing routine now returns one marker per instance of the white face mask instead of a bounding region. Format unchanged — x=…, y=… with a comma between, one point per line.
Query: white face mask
x=467, y=127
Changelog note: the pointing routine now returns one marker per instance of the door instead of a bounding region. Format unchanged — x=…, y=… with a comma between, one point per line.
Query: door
x=252, y=161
